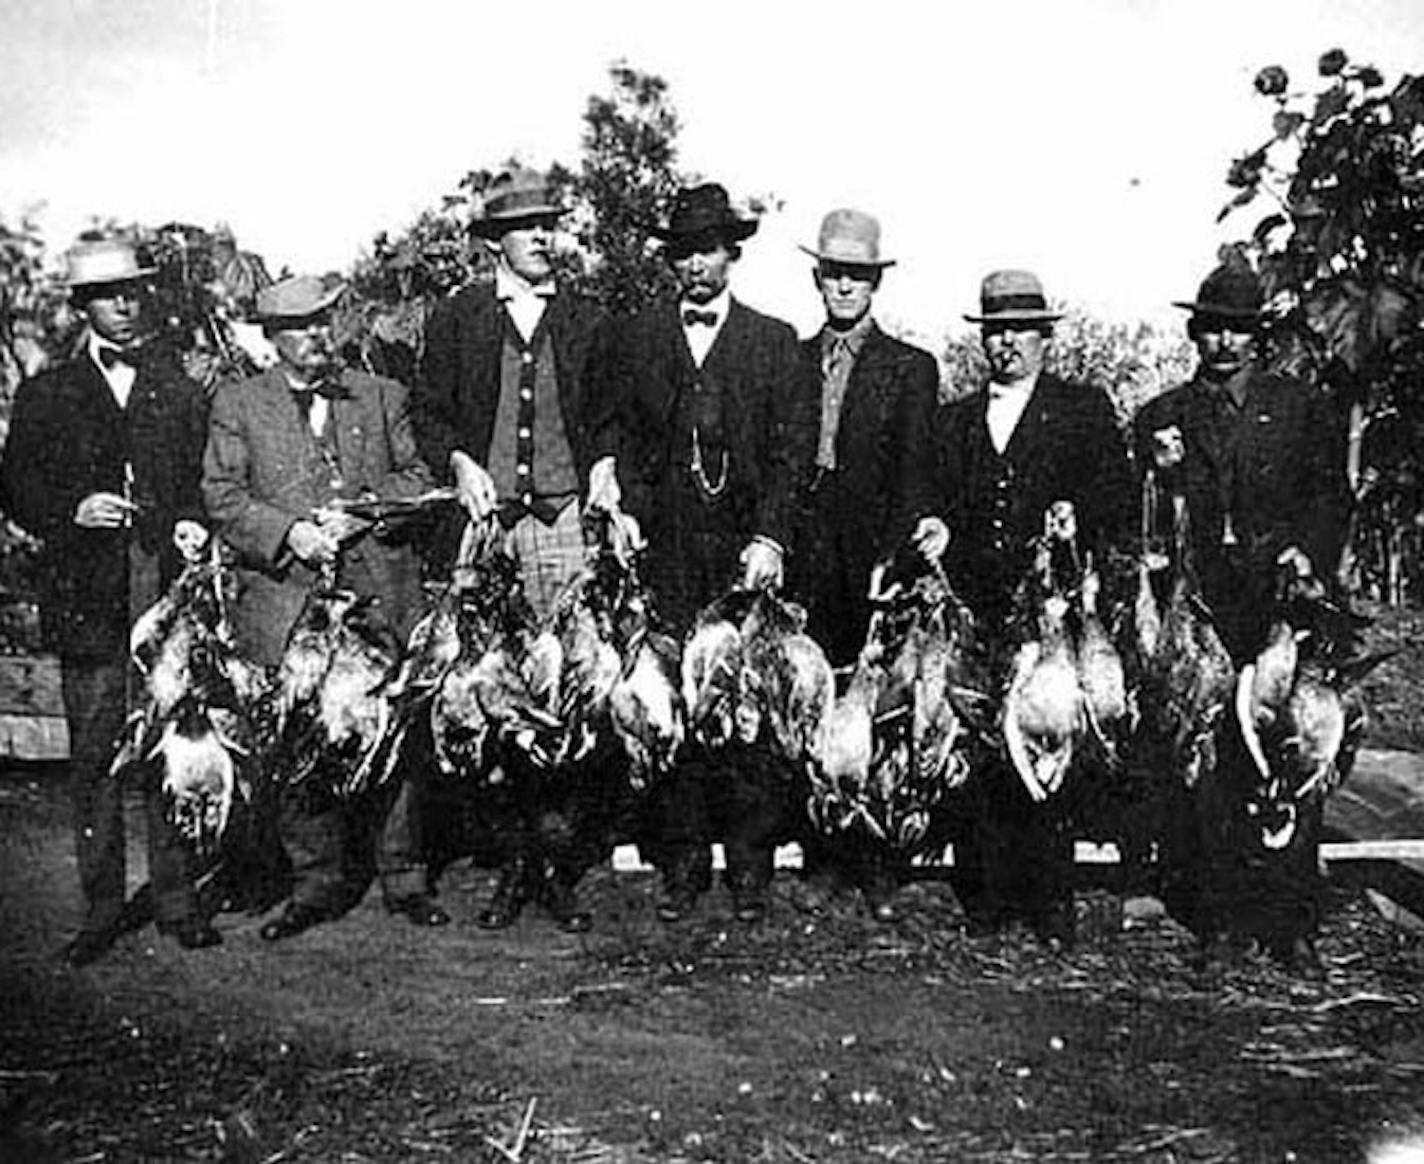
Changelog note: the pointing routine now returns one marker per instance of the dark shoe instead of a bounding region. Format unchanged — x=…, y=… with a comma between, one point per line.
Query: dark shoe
x=90, y=946
x=749, y=905
x=419, y=910
x=561, y=900
x=192, y=933
x=678, y=903
x=293, y=920
x=508, y=899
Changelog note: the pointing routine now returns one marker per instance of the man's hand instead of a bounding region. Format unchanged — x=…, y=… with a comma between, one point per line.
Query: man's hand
x=603, y=490
x=761, y=565
x=931, y=538
x=338, y=524
x=627, y=537
x=1298, y=560
x=189, y=538
x=312, y=544
x=474, y=485
x=104, y=511
x=1168, y=448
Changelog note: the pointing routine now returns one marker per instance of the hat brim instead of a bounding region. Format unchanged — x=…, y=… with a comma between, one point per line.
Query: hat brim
x=127, y=277
x=845, y=262
x=500, y=224
x=1220, y=309
x=732, y=231
x=1017, y=315
x=325, y=303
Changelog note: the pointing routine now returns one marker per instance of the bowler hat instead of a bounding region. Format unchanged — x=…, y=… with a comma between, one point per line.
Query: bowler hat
x=97, y=261
x=514, y=196
x=1013, y=297
x=298, y=297
x=851, y=237
x=1232, y=291
x=704, y=212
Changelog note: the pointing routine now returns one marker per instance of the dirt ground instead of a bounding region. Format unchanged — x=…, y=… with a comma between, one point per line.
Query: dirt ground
x=817, y=1036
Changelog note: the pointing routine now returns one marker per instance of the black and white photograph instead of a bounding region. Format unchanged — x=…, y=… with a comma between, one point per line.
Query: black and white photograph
x=629, y=583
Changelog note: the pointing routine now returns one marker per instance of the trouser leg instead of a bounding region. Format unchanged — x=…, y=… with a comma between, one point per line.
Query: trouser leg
x=169, y=859
x=95, y=703
x=755, y=816
x=313, y=826
x=400, y=858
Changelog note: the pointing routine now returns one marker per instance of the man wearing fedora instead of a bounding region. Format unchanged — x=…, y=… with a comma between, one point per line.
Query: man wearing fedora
x=102, y=463
x=1009, y=453
x=1260, y=461
x=868, y=491
x=502, y=407
x=715, y=420
x=284, y=449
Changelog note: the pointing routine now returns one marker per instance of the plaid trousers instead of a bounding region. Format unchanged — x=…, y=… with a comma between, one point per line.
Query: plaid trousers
x=549, y=555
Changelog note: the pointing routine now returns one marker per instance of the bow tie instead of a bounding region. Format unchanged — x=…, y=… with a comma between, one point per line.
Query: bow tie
x=108, y=357
x=331, y=389
x=691, y=317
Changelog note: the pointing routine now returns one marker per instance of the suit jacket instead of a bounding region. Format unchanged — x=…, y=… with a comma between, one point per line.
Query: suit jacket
x=865, y=508
x=753, y=413
x=1066, y=447
x=454, y=402
x=263, y=469
x=69, y=438
x=1278, y=469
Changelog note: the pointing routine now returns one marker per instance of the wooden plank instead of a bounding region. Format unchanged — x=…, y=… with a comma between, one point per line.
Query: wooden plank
x=34, y=737
x=29, y=685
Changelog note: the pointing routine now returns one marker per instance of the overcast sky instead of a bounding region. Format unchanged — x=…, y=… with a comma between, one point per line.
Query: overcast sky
x=1086, y=139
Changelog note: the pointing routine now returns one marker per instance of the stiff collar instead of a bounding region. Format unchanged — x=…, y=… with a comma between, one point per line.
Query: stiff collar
x=1014, y=389
x=719, y=306
x=508, y=286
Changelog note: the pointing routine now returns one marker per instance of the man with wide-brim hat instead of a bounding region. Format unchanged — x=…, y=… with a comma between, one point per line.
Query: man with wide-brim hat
x=715, y=417
x=504, y=410
x=286, y=448
x=102, y=462
x=1028, y=444
x=867, y=491
x=1259, y=460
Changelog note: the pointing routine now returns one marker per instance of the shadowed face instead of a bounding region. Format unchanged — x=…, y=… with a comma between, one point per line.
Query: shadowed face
x=114, y=310
x=846, y=290
x=703, y=272
x=528, y=249
x=305, y=345
x=1015, y=350
x=1225, y=346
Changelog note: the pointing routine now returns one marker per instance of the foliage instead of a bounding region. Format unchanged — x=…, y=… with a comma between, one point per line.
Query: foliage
x=1130, y=362
x=1342, y=259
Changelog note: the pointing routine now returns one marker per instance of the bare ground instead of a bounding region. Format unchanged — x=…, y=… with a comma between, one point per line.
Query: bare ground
x=816, y=1036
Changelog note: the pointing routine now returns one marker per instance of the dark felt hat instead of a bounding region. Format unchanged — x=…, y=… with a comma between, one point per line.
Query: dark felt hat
x=1230, y=292
x=704, y=213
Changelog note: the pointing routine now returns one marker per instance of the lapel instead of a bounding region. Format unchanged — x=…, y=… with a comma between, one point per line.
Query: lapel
x=1037, y=423
x=866, y=376
x=729, y=339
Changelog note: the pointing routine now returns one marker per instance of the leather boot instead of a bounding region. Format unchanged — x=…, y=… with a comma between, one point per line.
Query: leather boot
x=561, y=900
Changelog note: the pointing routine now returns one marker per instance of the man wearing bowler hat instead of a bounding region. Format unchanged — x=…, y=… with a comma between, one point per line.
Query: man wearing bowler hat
x=869, y=489
x=103, y=462
x=1027, y=442
x=716, y=426
x=503, y=408
x=284, y=449
x=1260, y=461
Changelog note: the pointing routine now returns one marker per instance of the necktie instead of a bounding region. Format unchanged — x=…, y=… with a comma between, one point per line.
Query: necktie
x=108, y=357
x=691, y=316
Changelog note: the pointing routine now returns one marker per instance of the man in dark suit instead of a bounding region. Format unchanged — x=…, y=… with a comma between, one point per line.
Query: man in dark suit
x=715, y=426
x=869, y=490
x=284, y=448
x=1259, y=459
x=1009, y=453
x=102, y=463
x=501, y=408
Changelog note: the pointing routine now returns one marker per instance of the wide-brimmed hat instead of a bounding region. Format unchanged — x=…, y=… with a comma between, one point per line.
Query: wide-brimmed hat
x=1013, y=297
x=851, y=237
x=515, y=196
x=297, y=297
x=1231, y=292
x=704, y=213
x=95, y=262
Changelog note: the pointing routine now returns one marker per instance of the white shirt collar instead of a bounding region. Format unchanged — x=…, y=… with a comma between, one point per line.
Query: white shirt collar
x=701, y=337
x=121, y=376
x=508, y=285
x=1006, y=406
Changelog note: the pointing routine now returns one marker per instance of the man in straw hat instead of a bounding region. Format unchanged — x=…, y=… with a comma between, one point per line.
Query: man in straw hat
x=1029, y=441
x=285, y=448
x=503, y=408
x=716, y=417
x=869, y=490
x=102, y=463
x=1260, y=461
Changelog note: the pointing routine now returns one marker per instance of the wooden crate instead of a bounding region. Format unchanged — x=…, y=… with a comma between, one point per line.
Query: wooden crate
x=32, y=723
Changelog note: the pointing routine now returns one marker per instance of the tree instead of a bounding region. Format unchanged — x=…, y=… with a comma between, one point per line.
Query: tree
x=1342, y=260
